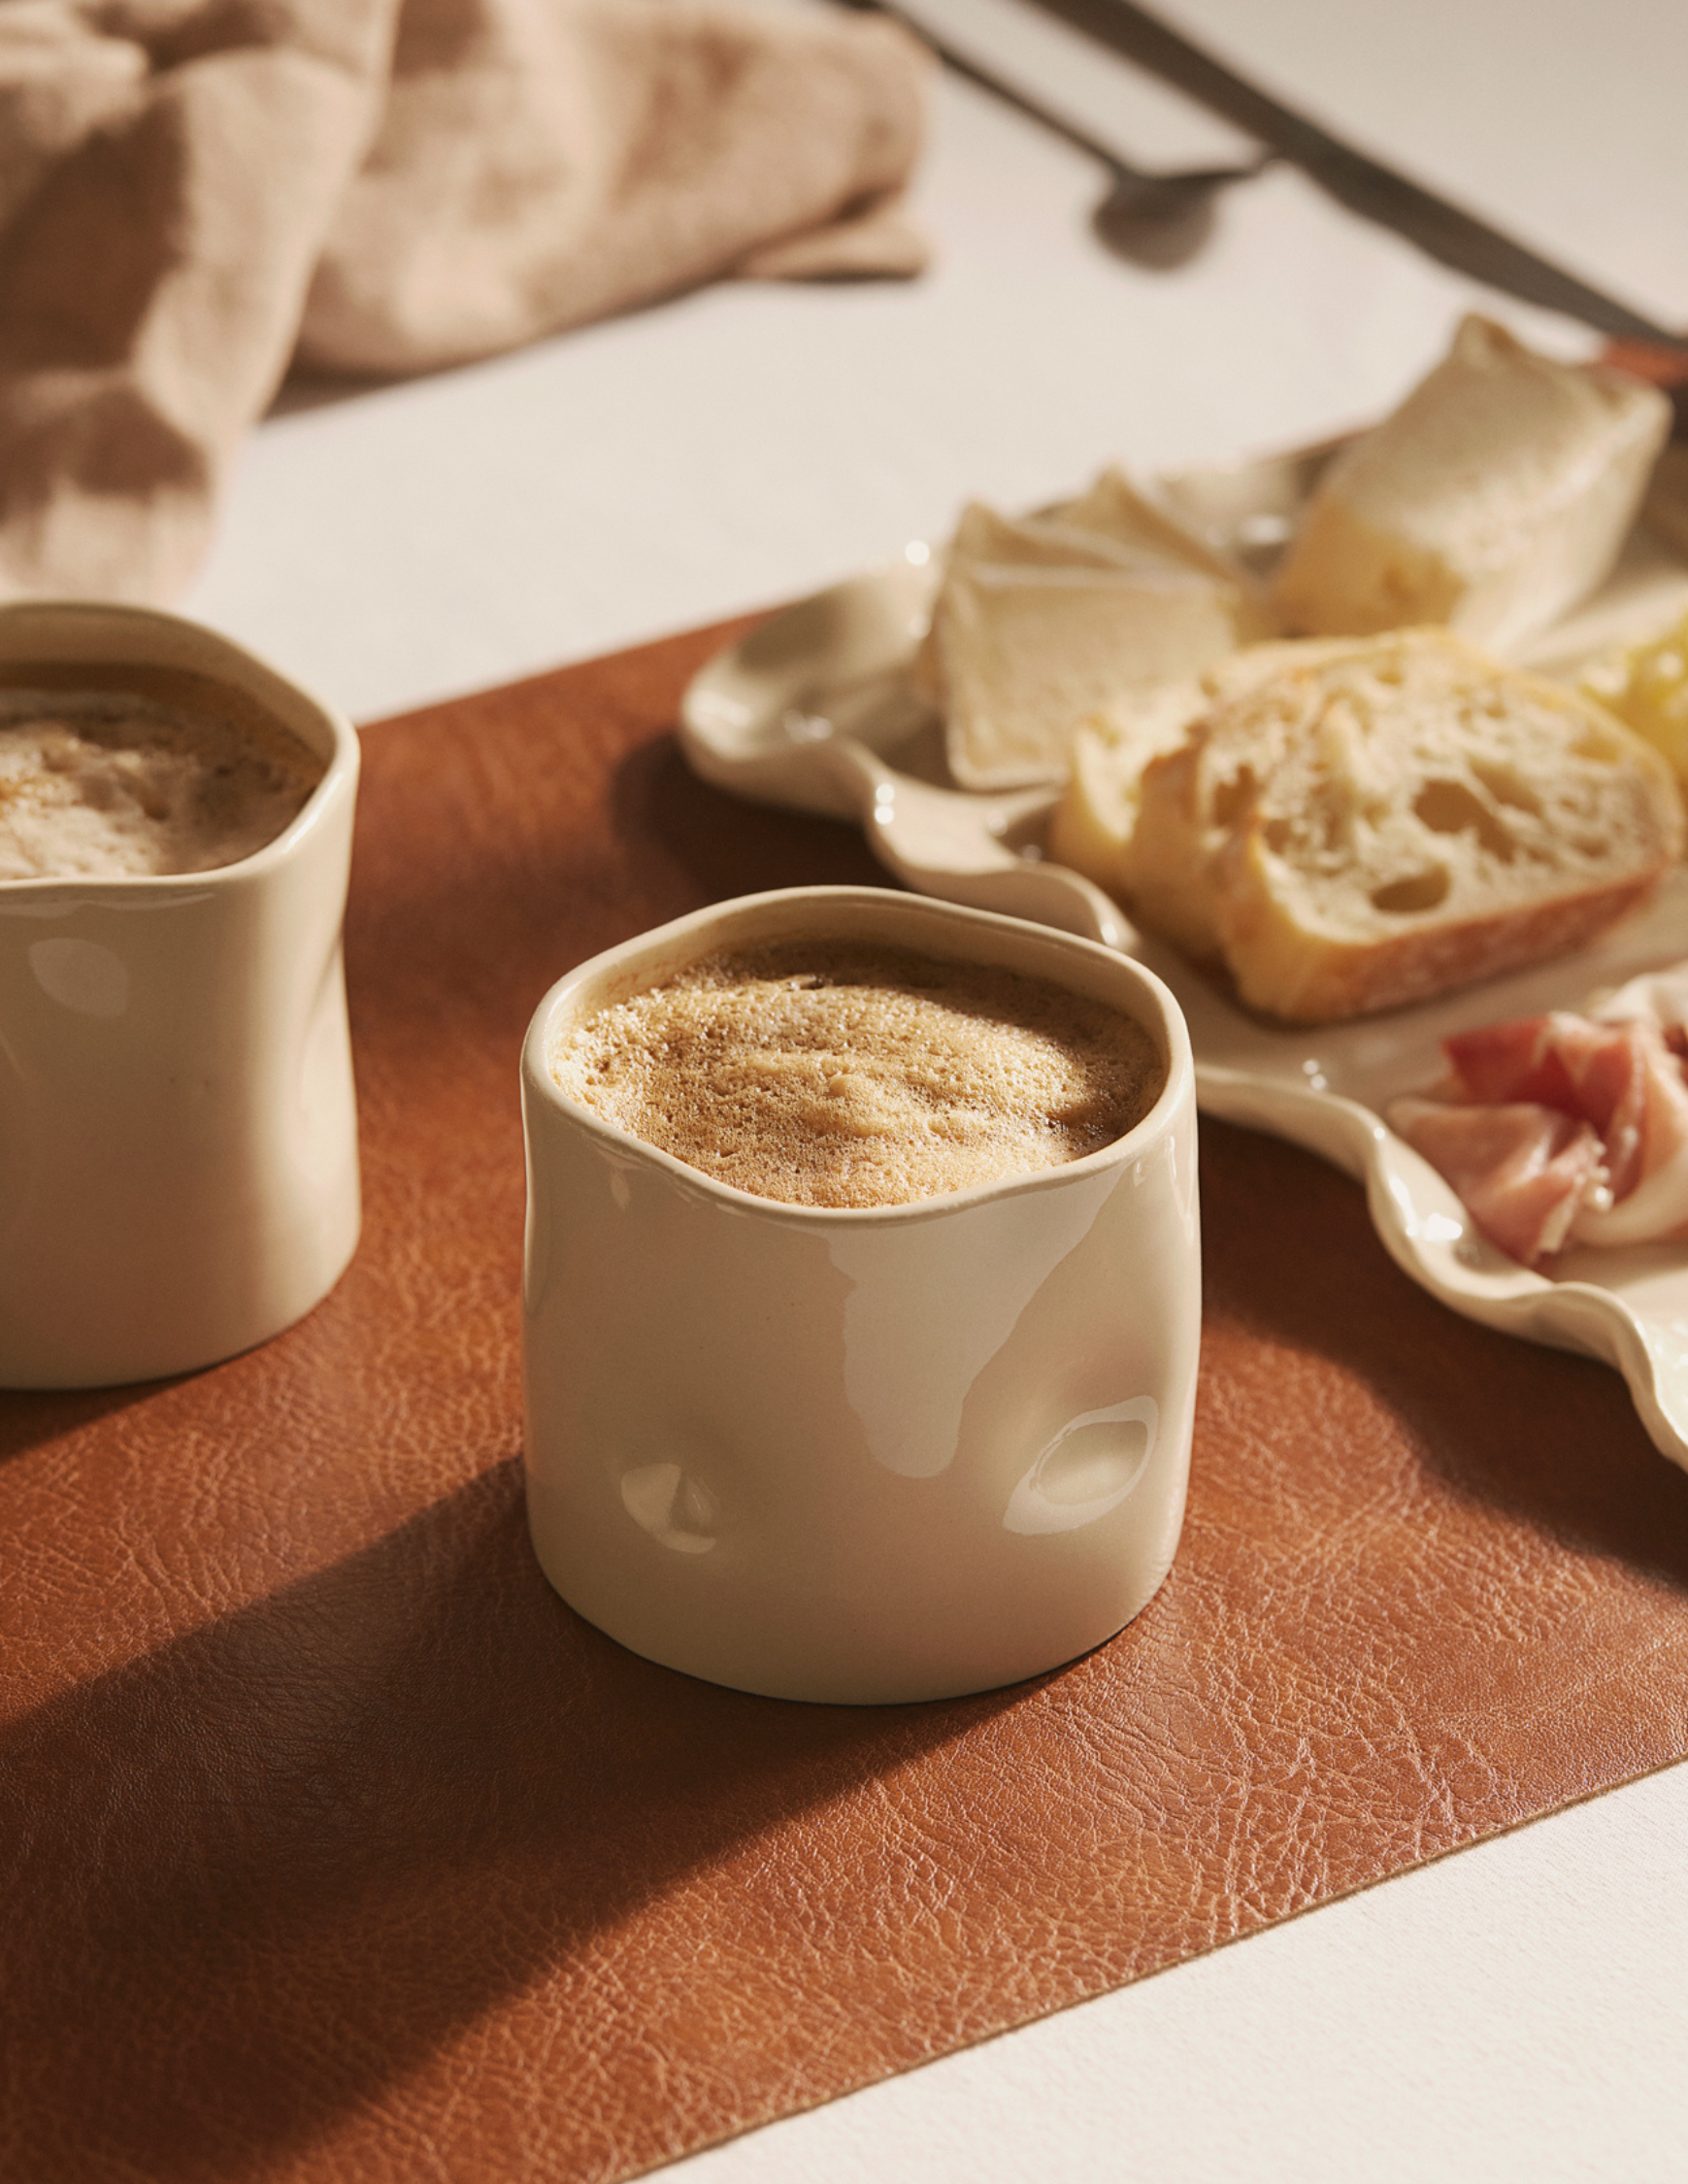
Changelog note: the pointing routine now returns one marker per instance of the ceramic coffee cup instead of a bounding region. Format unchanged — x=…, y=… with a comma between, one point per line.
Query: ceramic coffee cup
x=178, y=1136
x=868, y=1454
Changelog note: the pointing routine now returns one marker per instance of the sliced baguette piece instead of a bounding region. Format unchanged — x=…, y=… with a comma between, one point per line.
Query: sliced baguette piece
x=1174, y=815
x=1097, y=814
x=1492, y=500
x=1399, y=819
x=1092, y=826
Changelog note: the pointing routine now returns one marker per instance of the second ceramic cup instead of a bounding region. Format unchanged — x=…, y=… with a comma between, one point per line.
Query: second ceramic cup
x=178, y=1134
x=863, y=1454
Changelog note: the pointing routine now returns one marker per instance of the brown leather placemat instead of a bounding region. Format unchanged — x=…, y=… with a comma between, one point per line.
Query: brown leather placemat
x=336, y=1848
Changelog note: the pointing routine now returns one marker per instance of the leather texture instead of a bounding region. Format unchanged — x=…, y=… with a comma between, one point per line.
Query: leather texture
x=336, y=1848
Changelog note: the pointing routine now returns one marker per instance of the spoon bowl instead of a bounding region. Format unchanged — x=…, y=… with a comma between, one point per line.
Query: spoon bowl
x=1162, y=220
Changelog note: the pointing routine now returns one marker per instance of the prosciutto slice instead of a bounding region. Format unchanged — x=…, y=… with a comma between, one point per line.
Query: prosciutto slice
x=1562, y=1128
x=1521, y=1170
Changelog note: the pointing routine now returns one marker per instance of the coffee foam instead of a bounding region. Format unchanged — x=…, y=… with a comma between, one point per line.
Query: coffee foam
x=835, y=1074
x=103, y=784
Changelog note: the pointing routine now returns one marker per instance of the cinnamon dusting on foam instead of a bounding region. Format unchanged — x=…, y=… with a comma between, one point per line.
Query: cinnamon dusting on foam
x=839, y=1075
x=106, y=784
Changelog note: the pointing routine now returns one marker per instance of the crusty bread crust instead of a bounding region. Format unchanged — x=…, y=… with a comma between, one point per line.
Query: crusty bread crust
x=1371, y=822
x=1186, y=806
x=1313, y=978
x=1165, y=866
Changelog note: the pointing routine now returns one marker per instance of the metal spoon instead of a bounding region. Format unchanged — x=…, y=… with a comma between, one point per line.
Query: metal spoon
x=1162, y=220
x=1159, y=221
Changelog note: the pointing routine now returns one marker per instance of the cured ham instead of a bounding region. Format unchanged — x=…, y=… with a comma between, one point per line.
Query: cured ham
x=1561, y=1129
x=1520, y=1169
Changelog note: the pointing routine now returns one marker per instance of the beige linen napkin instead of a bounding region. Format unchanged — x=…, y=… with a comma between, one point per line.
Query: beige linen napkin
x=193, y=193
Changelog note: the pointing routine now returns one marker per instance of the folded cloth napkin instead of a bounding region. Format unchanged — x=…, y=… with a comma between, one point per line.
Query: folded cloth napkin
x=195, y=193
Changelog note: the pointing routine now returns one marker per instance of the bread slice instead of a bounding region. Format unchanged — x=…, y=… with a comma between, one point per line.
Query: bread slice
x=1094, y=828
x=1493, y=499
x=1097, y=812
x=1374, y=823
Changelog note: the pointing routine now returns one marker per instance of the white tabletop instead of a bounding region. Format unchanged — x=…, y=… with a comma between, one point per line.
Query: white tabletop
x=1559, y=120
x=1515, y=2013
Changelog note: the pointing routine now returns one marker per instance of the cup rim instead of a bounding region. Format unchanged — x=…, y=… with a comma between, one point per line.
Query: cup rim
x=1176, y=1096
x=245, y=670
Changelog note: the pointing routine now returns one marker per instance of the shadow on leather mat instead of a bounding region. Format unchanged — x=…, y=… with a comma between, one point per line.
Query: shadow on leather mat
x=261, y=1874
x=1544, y=1436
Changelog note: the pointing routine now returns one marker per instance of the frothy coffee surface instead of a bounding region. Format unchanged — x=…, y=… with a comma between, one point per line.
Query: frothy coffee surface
x=837, y=1074
x=102, y=784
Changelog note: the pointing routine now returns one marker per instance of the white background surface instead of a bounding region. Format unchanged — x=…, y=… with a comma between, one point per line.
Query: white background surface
x=1562, y=121
x=1515, y=2013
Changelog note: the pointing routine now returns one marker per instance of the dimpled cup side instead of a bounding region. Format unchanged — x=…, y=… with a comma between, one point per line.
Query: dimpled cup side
x=865, y=1456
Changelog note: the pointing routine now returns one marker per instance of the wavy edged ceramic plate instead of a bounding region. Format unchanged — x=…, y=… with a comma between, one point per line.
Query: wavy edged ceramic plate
x=815, y=710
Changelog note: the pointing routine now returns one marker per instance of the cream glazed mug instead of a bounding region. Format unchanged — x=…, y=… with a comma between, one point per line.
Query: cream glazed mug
x=872, y=1454
x=177, y=1131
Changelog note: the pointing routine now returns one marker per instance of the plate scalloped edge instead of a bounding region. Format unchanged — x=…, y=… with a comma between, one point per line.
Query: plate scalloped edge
x=1428, y=1234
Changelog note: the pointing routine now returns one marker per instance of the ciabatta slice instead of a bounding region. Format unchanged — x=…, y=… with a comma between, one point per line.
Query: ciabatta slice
x=1174, y=809
x=1376, y=822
